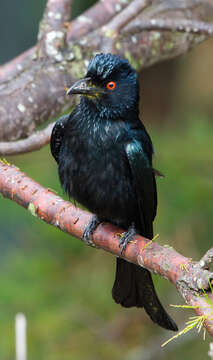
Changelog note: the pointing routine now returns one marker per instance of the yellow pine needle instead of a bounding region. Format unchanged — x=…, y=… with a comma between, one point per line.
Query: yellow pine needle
x=210, y=285
x=149, y=242
x=183, y=267
x=119, y=235
x=155, y=237
x=145, y=246
x=196, y=322
x=4, y=161
x=186, y=306
x=184, y=331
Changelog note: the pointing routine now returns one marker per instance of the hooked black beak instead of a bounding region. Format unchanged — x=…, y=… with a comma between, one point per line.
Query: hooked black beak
x=84, y=87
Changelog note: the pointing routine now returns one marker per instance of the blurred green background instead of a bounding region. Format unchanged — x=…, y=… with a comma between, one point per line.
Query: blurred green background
x=64, y=287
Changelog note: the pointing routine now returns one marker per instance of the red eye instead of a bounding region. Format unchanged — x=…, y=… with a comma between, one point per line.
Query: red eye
x=111, y=85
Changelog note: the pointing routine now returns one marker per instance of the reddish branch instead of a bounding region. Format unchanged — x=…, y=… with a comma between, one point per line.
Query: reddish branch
x=187, y=276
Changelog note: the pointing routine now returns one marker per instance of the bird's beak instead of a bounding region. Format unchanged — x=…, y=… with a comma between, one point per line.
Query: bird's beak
x=84, y=87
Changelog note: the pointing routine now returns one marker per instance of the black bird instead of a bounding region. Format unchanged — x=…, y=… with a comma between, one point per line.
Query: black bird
x=104, y=157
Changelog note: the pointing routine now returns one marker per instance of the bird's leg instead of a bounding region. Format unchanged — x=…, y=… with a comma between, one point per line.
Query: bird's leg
x=126, y=237
x=89, y=230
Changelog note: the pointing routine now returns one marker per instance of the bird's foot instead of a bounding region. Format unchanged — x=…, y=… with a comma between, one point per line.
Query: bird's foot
x=89, y=230
x=126, y=237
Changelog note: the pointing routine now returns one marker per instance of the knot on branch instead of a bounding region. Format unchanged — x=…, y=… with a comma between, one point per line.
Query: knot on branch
x=198, y=277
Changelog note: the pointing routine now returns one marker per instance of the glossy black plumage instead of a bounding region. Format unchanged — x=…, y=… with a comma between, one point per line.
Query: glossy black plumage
x=104, y=157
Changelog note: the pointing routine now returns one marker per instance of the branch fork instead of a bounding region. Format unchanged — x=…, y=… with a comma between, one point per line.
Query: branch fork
x=64, y=48
x=197, y=278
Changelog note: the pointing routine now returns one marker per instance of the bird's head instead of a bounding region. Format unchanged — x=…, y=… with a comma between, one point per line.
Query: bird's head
x=110, y=84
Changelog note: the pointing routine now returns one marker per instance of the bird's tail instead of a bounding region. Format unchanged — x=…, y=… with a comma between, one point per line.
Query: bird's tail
x=133, y=286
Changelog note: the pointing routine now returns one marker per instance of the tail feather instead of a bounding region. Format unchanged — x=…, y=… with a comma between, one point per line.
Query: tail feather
x=133, y=286
x=124, y=288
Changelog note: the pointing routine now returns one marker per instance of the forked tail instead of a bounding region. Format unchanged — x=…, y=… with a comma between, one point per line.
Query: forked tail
x=133, y=286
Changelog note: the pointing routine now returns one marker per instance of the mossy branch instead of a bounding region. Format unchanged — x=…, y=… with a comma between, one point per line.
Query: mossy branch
x=64, y=48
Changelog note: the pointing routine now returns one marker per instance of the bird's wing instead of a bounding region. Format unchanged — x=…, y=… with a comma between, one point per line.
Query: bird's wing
x=57, y=136
x=144, y=183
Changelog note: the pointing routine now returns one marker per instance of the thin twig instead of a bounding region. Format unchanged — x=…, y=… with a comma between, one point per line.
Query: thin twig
x=34, y=142
x=180, y=25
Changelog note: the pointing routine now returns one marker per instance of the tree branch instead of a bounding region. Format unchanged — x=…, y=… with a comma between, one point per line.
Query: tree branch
x=34, y=142
x=56, y=13
x=14, y=67
x=122, y=19
x=96, y=16
x=187, y=276
x=180, y=25
x=112, y=29
x=32, y=85
x=92, y=19
x=52, y=33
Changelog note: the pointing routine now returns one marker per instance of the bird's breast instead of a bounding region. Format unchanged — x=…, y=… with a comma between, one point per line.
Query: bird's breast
x=95, y=172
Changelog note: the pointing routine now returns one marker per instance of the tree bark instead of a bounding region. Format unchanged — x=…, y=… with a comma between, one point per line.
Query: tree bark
x=143, y=31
